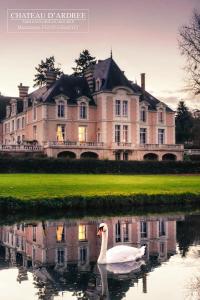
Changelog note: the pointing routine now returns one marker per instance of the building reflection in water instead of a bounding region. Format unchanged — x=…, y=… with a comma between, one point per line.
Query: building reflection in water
x=62, y=254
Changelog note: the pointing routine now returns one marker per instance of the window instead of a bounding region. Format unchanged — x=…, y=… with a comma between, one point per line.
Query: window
x=34, y=112
x=60, y=256
x=160, y=116
x=35, y=132
x=117, y=107
x=23, y=122
x=117, y=232
x=98, y=136
x=83, y=110
x=60, y=133
x=13, y=125
x=82, y=133
x=143, y=229
x=118, y=155
x=162, y=248
x=82, y=232
x=161, y=136
x=125, y=229
x=125, y=108
x=13, y=109
x=125, y=155
x=117, y=133
x=61, y=109
x=143, y=135
x=34, y=233
x=125, y=133
x=162, y=228
x=83, y=255
x=18, y=123
x=143, y=114
x=7, y=111
x=60, y=234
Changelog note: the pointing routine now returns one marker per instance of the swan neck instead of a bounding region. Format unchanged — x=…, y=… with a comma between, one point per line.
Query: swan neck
x=104, y=244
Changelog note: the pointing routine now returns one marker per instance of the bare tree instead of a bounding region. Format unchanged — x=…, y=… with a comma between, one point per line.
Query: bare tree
x=189, y=43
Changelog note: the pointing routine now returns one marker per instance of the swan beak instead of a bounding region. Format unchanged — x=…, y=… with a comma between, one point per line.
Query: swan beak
x=99, y=232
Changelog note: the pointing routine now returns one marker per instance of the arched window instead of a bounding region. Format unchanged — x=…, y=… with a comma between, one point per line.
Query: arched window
x=83, y=110
x=98, y=85
x=61, y=109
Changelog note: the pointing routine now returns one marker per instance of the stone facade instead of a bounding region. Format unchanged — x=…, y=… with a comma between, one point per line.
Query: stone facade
x=103, y=115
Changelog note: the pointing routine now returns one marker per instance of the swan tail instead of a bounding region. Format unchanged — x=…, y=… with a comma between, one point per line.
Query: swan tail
x=142, y=251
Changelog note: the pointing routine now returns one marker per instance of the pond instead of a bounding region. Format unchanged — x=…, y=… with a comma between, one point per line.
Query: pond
x=57, y=258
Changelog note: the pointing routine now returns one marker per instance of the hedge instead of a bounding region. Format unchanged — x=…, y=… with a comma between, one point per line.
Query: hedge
x=90, y=166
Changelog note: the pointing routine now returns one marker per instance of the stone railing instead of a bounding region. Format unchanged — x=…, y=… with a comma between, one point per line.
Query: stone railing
x=71, y=144
x=171, y=147
x=192, y=151
x=121, y=145
x=20, y=148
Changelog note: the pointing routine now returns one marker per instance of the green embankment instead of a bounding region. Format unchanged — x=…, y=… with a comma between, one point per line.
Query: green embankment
x=91, y=191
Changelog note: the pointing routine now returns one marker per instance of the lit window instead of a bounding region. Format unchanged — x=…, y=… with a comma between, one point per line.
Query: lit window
x=61, y=109
x=125, y=108
x=83, y=110
x=117, y=133
x=161, y=136
x=125, y=133
x=143, y=229
x=82, y=232
x=117, y=107
x=60, y=133
x=143, y=135
x=60, y=234
x=82, y=133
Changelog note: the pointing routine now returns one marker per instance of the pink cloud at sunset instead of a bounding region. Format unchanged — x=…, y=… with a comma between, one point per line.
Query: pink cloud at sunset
x=142, y=33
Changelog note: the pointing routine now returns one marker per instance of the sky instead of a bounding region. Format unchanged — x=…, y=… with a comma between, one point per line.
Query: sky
x=143, y=35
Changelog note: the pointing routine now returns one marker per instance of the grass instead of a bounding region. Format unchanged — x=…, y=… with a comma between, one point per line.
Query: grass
x=43, y=186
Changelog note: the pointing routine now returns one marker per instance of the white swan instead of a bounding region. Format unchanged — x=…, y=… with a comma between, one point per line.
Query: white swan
x=117, y=254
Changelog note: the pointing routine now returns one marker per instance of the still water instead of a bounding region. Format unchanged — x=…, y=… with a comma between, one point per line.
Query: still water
x=56, y=259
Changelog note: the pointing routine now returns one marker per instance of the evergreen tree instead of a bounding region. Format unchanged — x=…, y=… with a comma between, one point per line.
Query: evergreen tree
x=46, y=65
x=184, y=124
x=83, y=62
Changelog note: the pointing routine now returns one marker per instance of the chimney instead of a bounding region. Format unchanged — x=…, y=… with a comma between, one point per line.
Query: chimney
x=88, y=74
x=51, y=78
x=143, y=81
x=23, y=90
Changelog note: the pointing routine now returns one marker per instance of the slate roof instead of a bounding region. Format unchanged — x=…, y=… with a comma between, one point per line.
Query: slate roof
x=111, y=76
x=71, y=86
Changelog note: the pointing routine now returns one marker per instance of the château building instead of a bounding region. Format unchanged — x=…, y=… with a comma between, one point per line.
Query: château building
x=100, y=115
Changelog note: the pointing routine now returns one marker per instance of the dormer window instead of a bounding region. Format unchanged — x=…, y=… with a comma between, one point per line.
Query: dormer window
x=25, y=106
x=61, y=109
x=83, y=110
x=98, y=85
x=13, y=108
x=160, y=115
x=7, y=111
x=143, y=114
x=34, y=111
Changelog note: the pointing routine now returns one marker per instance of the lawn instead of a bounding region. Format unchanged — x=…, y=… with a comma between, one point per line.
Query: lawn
x=24, y=186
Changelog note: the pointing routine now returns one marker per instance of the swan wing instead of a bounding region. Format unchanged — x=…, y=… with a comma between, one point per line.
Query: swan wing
x=122, y=253
x=125, y=267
